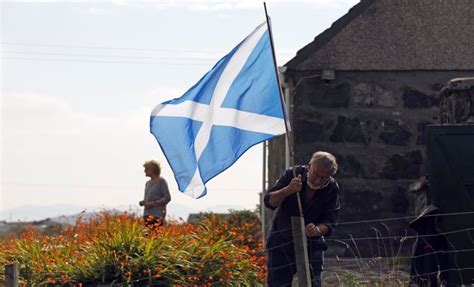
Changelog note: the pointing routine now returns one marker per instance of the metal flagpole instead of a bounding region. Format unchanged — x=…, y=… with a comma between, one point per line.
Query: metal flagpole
x=297, y=222
x=282, y=105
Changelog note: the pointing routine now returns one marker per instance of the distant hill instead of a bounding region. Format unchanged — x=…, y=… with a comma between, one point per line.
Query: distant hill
x=38, y=212
x=67, y=213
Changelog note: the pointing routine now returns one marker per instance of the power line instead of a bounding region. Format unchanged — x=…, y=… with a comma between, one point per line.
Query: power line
x=103, y=61
x=109, y=48
x=404, y=217
x=404, y=237
x=103, y=56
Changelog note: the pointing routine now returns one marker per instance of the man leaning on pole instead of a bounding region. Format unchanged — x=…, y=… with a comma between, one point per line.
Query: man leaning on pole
x=319, y=193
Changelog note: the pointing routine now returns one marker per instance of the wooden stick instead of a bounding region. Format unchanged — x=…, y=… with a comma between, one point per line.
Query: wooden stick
x=11, y=275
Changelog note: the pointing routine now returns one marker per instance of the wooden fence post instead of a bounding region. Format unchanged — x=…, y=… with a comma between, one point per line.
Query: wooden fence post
x=11, y=275
x=301, y=251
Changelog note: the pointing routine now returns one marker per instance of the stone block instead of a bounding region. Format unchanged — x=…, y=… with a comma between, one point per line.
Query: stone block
x=406, y=166
x=395, y=133
x=337, y=96
x=307, y=131
x=414, y=99
x=349, y=166
x=373, y=95
x=360, y=203
x=349, y=130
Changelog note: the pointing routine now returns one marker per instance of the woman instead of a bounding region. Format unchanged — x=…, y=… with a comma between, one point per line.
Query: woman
x=157, y=195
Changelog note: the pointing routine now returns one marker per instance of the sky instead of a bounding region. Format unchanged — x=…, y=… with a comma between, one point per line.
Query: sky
x=79, y=80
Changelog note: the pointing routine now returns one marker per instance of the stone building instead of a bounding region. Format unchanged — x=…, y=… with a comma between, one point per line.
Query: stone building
x=365, y=89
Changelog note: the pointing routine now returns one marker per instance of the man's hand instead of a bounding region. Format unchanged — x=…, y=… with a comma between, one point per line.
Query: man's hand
x=277, y=197
x=141, y=203
x=295, y=185
x=313, y=231
x=149, y=204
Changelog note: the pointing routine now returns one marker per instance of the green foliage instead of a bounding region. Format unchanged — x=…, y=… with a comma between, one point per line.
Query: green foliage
x=114, y=249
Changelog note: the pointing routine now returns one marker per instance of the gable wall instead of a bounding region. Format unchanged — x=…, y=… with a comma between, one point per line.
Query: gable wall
x=374, y=122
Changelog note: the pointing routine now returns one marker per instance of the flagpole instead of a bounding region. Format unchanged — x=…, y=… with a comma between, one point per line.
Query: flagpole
x=290, y=146
x=297, y=222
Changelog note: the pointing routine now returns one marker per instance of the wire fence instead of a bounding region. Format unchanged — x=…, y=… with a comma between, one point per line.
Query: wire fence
x=384, y=264
x=385, y=260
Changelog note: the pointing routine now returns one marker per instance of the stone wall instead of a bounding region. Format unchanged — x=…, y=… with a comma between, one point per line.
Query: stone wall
x=375, y=124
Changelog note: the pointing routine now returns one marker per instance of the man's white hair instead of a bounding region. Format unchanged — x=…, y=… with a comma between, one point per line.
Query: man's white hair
x=325, y=159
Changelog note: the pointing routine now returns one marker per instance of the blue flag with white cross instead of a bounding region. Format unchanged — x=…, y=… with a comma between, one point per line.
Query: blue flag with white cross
x=233, y=107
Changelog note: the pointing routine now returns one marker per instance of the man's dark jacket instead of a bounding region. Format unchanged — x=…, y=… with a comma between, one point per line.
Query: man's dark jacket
x=323, y=208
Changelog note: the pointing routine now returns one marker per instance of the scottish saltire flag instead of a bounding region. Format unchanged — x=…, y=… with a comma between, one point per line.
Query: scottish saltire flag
x=233, y=107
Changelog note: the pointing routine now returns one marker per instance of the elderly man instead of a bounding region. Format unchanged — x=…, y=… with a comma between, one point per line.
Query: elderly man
x=319, y=194
x=156, y=196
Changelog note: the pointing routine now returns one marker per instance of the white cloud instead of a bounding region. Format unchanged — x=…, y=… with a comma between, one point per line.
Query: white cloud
x=54, y=151
x=42, y=115
x=161, y=94
x=52, y=142
x=99, y=11
x=36, y=114
x=64, y=148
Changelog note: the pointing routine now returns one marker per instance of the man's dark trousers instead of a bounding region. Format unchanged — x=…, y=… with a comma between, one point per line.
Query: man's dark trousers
x=282, y=266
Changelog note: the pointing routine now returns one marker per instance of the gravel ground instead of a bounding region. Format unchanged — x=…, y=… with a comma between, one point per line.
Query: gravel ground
x=365, y=272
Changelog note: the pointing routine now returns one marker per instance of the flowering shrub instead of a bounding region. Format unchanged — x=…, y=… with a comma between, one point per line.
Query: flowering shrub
x=115, y=248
